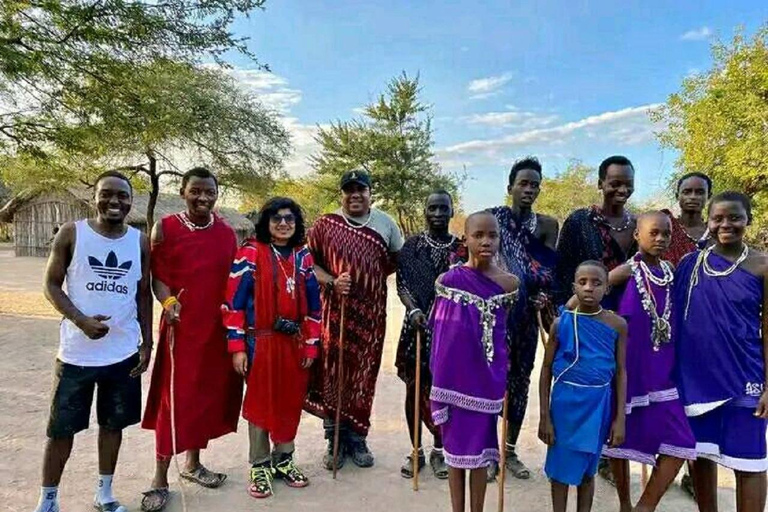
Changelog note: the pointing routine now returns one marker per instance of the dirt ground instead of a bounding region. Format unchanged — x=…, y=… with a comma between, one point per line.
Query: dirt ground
x=29, y=338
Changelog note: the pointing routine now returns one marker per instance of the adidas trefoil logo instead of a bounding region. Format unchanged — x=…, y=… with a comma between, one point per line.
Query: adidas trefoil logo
x=110, y=271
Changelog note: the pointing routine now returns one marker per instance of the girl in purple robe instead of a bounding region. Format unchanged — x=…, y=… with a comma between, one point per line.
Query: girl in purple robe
x=469, y=359
x=657, y=430
x=722, y=336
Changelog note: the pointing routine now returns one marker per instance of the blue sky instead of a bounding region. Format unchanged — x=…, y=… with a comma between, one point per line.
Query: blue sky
x=557, y=79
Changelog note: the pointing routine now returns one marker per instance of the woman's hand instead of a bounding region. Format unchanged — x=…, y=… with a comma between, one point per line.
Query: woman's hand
x=240, y=362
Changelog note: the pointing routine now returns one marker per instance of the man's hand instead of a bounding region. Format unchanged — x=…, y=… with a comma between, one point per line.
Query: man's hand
x=547, y=431
x=93, y=326
x=240, y=362
x=762, y=406
x=306, y=363
x=418, y=319
x=617, y=433
x=343, y=283
x=540, y=301
x=145, y=353
x=173, y=313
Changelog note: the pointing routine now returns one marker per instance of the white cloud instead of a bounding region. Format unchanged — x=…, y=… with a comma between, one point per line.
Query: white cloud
x=629, y=126
x=275, y=93
x=697, y=34
x=489, y=86
x=512, y=118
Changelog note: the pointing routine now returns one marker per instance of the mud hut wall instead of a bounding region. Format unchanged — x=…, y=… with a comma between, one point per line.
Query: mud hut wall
x=34, y=222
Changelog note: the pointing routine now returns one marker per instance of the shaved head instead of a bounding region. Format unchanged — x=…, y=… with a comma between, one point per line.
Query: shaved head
x=475, y=216
x=647, y=217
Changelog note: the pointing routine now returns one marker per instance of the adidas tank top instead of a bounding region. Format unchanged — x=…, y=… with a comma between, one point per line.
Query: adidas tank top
x=103, y=279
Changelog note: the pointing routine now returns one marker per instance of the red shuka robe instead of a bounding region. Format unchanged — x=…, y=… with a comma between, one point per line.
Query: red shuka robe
x=257, y=294
x=208, y=391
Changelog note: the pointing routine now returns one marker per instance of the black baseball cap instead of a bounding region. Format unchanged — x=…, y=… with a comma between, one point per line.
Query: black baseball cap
x=356, y=176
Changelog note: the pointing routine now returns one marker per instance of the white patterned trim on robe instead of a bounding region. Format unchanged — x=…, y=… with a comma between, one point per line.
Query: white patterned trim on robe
x=440, y=416
x=678, y=451
x=633, y=455
x=711, y=451
x=470, y=403
x=472, y=461
x=653, y=397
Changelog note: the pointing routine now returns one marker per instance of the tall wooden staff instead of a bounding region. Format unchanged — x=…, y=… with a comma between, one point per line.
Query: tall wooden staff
x=416, y=418
x=503, y=461
x=542, y=331
x=340, y=373
x=171, y=350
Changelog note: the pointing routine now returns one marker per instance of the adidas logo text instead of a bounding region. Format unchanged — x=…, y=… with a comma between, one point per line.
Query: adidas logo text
x=106, y=286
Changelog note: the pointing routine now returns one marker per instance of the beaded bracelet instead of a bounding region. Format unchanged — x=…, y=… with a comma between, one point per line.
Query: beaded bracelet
x=170, y=301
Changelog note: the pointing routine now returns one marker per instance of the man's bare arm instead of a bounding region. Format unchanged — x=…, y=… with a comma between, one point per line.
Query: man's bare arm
x=56, y=271
x=144, y=296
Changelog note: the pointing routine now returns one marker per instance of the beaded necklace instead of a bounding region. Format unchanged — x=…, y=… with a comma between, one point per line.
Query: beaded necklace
x=184, y=218
x=703, y=263
x=661, y=329
x=438, y=245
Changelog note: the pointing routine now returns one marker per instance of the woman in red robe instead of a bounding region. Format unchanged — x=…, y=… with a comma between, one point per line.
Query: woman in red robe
x=192, y=252
x=272, y=315
x=689, y=231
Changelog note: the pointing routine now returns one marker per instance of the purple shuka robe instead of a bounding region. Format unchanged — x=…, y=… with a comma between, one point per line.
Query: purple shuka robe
x=720, y=365
x=469, y=365
x=656, y=422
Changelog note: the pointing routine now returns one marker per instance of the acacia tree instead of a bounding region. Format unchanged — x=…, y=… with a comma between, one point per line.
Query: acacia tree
x=51, y=49
x=393, y=143
x=163, y=117
x=718, y=121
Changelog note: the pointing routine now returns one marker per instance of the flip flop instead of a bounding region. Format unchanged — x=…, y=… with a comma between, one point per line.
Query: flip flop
x=201, y=476
x=161, y=495
x=112, y=506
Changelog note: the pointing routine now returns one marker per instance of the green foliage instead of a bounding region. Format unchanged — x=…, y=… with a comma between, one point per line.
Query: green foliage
x=574, y=188
x=315, y=194
x=717, y=122
x=393, y=142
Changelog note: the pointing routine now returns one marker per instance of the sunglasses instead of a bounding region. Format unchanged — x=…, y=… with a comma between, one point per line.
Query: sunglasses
x=288, y=218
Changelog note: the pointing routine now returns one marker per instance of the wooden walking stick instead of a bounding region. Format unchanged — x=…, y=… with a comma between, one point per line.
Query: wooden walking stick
x=171, y=350
x=542, y=331
x=503, y=457
x=417, y=410
x=340, y=373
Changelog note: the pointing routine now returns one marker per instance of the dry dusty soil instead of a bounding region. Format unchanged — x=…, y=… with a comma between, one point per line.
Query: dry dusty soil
x=28, y=339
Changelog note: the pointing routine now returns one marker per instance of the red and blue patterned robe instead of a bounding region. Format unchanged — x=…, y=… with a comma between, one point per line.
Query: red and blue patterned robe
x=258, y=293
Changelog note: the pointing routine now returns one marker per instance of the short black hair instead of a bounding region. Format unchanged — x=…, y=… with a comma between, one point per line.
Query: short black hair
x=440, y=192
x=112, y=174
x=528, y=162
x=592, y=263
x=269, y=209
x=612, y=160
x=695, y=174
x=198, y=172
x=736, y=197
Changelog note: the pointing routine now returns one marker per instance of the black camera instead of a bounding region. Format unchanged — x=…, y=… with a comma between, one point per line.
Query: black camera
x=286, y=326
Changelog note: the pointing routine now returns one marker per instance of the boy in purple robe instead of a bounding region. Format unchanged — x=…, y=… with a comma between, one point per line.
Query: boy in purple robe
x=722, y=337
x=583, y=364
x=469, y=359
x=657, y=430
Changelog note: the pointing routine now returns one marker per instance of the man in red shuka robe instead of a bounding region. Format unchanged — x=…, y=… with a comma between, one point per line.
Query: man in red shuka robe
x=191, y=255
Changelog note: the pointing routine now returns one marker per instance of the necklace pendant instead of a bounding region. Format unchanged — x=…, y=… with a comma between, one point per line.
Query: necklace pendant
x=290, y=286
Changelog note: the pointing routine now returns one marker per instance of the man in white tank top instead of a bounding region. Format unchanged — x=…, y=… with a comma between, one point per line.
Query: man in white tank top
x=106, y=335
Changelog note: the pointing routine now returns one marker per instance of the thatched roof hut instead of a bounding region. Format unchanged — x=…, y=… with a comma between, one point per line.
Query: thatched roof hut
x=37, y=214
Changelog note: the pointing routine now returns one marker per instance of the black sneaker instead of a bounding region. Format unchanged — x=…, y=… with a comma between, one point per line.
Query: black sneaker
x=357, y=448
x=406, y=471
x=328, y=457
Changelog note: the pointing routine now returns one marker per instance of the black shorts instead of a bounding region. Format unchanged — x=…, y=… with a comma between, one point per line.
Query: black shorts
x=118, y=402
